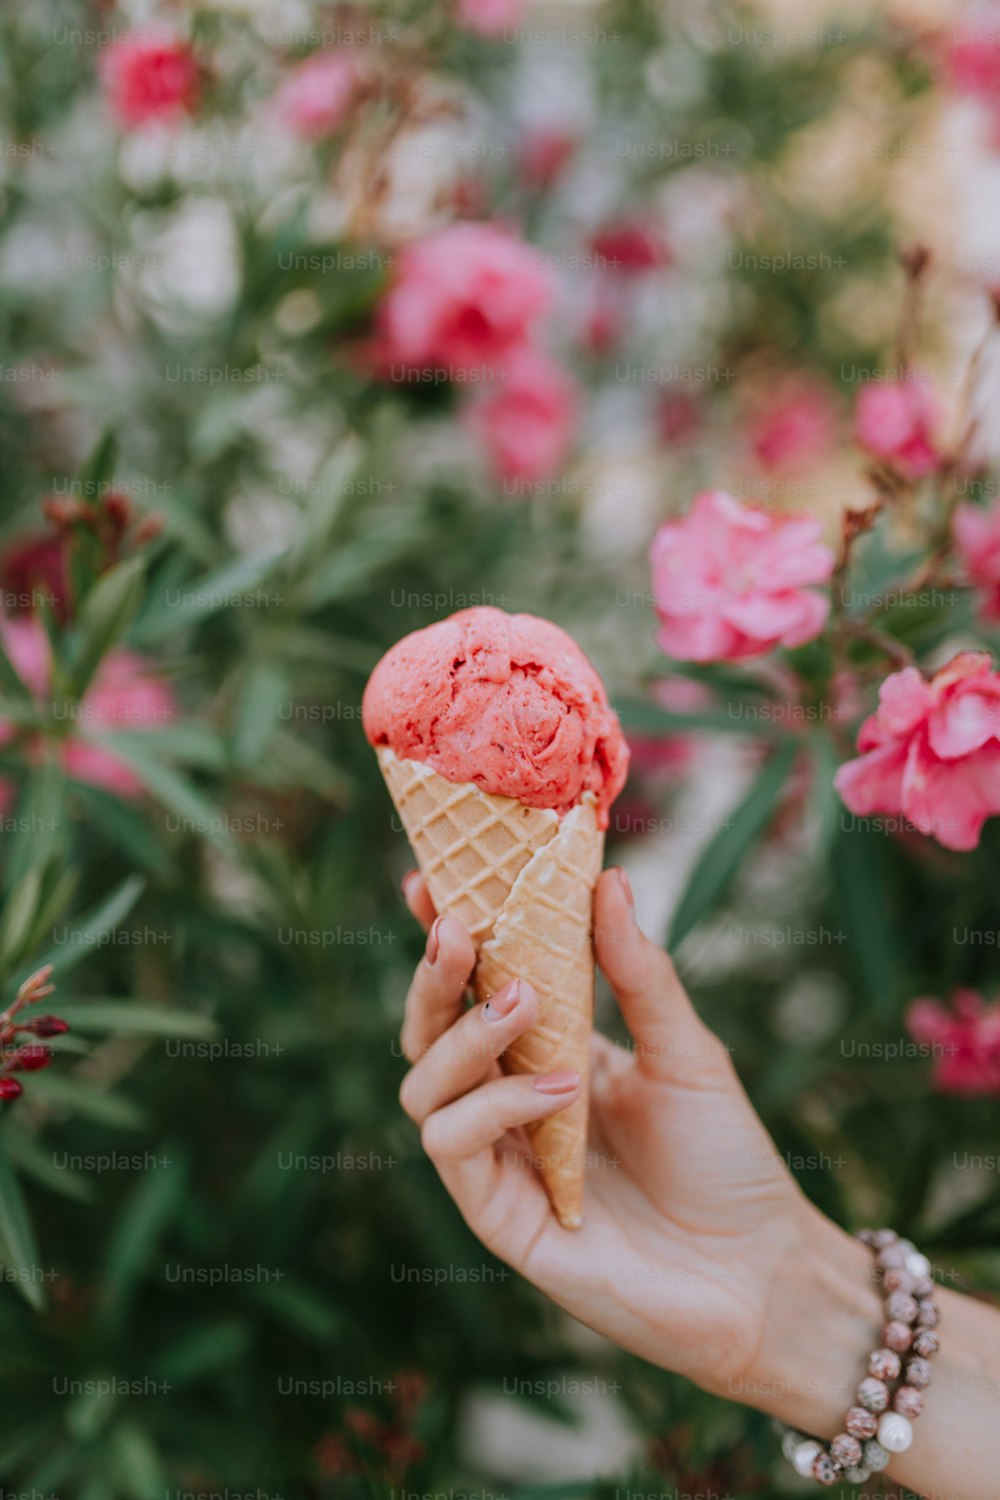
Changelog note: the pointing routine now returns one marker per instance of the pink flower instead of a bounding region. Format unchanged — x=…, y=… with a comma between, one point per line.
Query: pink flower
x=32, y=568
x=795, y=429
x=526, y=425
x=148, y=77
x=316, y=96
x=678, y=419
x=541, y=156
x=629, y=246
x=973, y=64
x=931, y=754
x=730, y=580
x=977, y=538
x=965, y=1041
x=123, y=696
x=894, y=420
x=464, y=298
x=488, y=17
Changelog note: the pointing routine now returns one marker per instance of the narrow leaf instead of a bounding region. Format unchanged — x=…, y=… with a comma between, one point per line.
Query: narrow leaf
x=721, y=861
x=20, y=1253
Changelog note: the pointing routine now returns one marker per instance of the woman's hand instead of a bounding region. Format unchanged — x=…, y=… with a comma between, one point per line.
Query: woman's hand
x=697, y=1250
x=691, y=1219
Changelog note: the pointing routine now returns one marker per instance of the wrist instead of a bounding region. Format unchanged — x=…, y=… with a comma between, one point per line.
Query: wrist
x=822, y=1319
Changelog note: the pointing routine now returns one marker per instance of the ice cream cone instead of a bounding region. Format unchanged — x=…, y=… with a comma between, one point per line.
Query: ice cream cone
x=521, y=880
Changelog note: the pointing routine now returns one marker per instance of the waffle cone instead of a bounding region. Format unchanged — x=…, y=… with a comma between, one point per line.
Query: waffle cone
x=521, y=881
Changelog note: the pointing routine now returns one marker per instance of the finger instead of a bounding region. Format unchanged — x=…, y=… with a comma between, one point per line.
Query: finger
x=473, y=1124
x=671, y=1041
x=437, y=995
x=468, y=1050
x=418, y=899
x=499, y=1194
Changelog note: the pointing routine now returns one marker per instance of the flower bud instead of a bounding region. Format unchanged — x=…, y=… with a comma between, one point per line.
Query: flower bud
x=30, y=1059
x=45, y=1026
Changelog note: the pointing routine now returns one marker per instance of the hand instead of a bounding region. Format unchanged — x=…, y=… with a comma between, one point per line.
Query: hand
x=691, y=1220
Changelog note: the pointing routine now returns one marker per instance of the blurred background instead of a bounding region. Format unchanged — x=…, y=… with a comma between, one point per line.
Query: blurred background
x=229, y=485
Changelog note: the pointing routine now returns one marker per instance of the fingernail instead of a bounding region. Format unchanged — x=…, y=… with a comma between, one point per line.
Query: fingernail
x=504, y=1001
x=408, y=878
x=626, y=886
x=557, y=1083
x=433, y=941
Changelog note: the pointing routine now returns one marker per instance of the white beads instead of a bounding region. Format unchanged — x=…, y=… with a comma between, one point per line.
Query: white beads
x=790, y=1442
x=857, y=1475
x=917, y=1264
x=804, y=1456
x=895, y=1432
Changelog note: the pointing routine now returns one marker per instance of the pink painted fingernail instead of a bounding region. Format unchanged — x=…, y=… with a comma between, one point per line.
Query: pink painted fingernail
x=557, y=1083
x=626, y=886
x=504, y=1001
x=433, y=941
x=408, y=880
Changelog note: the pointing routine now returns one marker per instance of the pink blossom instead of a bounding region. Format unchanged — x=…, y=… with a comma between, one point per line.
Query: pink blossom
x=541, y=156
x=488, y=17
x=894, y=420
x=31, y=567
x=123, y=696
x=678, y=419
x=464, y=298
x=628, y=246
x=315, y=98
x=973, y=63
x=965, y=1041
x=526, y=424
x=730, y=580
x=931, y=753
x=795, y=429
x=977, y=539
x=150, y=76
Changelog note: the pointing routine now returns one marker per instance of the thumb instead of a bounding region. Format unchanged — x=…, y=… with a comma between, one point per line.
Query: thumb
x=671, y=1042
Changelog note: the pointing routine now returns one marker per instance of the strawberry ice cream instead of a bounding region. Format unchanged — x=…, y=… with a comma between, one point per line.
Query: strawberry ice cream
x=506, y=702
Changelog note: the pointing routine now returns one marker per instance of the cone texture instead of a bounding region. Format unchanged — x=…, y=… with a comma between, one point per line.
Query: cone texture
x=522, y=882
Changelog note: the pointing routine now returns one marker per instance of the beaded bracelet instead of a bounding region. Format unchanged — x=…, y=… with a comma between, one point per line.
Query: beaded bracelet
x=872, y=1432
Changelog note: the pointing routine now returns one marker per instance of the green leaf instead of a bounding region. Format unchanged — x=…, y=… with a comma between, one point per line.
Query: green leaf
x=136, y=1020
x=68, y=1094
x=265, y=690
x=89, y=1412
x=108, y=610
x=11, y=686
x=18, y=918
x=861, y=890
x=18, y=1249
x=824, y=802
x=138, y=1463
x=297, y=764
x=85, y=936
x=721, y=861
x=34, y=1161
x=41, y=821
x=135, y=1236
x=204, y=1351
x=179, y=795
x=222, y=588
x=744, y=716
x=97, y=471
x=128, y=827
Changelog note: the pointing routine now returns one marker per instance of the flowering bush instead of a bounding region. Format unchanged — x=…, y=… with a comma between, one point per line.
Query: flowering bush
x=320, y=324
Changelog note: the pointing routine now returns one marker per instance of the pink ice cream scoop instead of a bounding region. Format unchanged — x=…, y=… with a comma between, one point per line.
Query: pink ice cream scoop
x=507, y=702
